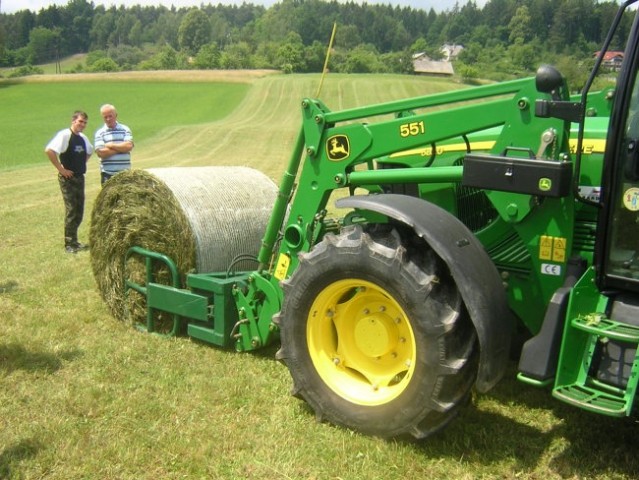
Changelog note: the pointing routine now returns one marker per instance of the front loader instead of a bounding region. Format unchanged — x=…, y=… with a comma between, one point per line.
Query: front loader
x=411, y=241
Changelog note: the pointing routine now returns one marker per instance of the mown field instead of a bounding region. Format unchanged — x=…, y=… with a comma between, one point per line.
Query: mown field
x=85, y=396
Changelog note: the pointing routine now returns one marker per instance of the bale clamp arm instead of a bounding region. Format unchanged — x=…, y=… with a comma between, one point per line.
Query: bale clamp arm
x=149, y=258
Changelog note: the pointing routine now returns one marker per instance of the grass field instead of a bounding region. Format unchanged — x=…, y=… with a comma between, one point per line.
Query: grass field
x=84, y=396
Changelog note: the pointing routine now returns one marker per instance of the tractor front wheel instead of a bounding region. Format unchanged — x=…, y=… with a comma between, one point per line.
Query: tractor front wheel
x=375, y=334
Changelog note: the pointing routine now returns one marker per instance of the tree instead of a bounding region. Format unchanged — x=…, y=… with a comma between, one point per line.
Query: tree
x=420, y=45
x=315, y=57
x=220, y=29
x=77, y=19
x=208, y=57
x=166, y=29
x=21, y=25
x=236, y=56
x=166, y=59
x=135, y=34
x=103, y=25
x=398, y=62
x=290, y=55
x=124, y=25
x=520, y=26
x=347, y=36
x=104, y=65
x=93, y=56
x=194, y=31
x=523, y=55
x=503, y=39
x=125, y=56
x=363, y=59
x=44, y=44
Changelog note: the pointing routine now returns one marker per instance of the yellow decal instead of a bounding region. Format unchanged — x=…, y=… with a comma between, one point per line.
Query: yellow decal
x=283, y=262
x=439, y=149
x=559, y=250
x=338, y=148
x=545, y=248
x=552, y=248
x=588, y=146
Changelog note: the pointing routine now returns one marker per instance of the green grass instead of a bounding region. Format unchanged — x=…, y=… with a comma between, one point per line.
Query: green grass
x=147, y=107
x=85, y=396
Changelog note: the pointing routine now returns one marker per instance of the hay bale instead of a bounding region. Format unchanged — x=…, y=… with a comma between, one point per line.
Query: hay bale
x=201, y=217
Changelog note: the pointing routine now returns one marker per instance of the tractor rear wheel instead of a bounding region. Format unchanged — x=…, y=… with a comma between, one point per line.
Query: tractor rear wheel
x=376, y=336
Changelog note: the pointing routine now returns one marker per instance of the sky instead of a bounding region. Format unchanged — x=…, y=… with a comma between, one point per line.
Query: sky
x=12, y=6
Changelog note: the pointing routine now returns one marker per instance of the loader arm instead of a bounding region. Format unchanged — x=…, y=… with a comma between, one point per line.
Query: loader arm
x=340, y=148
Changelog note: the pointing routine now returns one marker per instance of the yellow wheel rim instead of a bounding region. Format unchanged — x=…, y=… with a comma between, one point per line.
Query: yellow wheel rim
x=361, y=342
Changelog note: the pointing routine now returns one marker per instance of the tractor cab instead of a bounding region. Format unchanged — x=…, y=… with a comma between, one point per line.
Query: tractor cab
x=619, y=221
x=596, y=314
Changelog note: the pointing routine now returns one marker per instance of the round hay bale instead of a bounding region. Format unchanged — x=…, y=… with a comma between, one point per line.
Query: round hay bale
x=203, y=218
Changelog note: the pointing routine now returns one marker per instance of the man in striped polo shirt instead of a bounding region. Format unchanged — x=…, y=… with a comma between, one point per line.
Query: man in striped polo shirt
x=113, y=144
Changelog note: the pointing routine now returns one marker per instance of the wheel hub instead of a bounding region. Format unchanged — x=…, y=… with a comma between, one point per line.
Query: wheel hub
x=374, y=335
x=361, y=342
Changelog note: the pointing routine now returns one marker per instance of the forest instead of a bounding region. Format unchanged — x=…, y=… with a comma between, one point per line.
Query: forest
x=504, y=39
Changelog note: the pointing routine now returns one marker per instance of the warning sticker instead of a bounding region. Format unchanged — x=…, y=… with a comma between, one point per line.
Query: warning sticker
x=281, y=269
x=545, y=248
x=631, y=199
x=552, y=248
x=559, y=249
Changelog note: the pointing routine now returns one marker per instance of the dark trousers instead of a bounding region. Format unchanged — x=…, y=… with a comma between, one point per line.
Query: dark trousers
x=73, y=195
x=104, y=176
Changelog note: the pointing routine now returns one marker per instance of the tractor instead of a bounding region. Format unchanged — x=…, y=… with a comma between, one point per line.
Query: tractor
x=412, y=244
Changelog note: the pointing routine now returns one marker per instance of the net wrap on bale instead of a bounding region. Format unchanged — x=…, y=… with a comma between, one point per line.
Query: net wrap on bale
x=203, y=218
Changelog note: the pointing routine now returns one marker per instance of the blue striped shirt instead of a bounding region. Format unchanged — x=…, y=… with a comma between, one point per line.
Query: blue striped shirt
x=119, y=161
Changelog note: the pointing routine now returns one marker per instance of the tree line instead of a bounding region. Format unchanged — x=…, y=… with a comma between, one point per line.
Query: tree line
x=505, y=38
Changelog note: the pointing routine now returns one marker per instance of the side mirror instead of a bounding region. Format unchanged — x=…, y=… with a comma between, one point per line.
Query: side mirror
x=548, y=79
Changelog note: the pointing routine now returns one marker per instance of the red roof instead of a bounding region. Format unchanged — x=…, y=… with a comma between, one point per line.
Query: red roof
x=610, y=55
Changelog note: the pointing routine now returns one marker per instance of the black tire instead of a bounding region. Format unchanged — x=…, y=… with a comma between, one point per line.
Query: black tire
x=375, y=334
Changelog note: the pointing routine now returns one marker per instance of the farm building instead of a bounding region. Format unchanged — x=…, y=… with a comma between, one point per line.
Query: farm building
x=424, y=65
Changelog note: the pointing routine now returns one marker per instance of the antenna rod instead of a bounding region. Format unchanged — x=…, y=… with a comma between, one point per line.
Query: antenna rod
x=328, y=54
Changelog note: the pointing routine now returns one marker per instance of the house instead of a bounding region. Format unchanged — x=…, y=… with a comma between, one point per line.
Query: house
x=451, y=51
x=423, y=65
x=612, y=60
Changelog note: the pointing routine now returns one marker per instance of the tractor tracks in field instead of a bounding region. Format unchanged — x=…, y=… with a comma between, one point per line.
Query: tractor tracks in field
x=266, y=106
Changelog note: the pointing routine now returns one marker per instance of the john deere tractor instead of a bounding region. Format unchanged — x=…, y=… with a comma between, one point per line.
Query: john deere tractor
x=410, y=242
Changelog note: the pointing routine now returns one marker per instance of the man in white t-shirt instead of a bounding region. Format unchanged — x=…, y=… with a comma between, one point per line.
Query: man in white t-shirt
x=69, y=150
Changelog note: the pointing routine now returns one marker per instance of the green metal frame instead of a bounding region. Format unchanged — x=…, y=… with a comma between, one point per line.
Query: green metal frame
x=586, y=326
x=149, y=258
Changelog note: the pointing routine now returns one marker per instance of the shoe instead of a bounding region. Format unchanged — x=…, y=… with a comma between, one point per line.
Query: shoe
x=70, y=249
x=80, y=246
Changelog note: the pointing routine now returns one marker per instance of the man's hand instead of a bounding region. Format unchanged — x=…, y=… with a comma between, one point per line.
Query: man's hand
x=66, y=173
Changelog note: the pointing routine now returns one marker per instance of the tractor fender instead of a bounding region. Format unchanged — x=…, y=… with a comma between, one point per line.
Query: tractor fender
x=476, y=276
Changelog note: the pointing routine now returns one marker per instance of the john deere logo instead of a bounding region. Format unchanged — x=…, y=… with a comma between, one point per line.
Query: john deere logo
x=545, y=184
x=338, y=148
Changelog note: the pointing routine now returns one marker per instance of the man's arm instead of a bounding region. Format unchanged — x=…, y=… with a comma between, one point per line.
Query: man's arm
x=111, y=148
x=53, y=157
x=120, y=147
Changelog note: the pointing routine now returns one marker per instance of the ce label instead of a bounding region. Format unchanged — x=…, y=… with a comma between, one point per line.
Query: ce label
x=550, y=269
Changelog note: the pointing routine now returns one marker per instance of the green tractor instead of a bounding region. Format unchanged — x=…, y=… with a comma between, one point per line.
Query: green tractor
x=410, y=242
